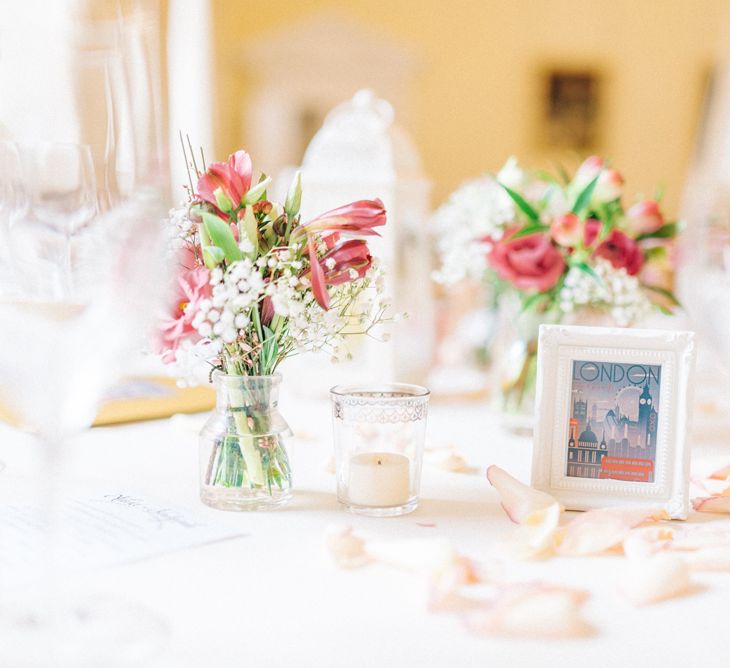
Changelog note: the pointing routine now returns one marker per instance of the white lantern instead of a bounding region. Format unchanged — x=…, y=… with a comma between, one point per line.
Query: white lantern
x=360, y=153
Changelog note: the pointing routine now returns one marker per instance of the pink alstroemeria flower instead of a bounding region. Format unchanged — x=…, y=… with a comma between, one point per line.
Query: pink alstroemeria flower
x=316, y=276
x=644, y=217
x=346, y=258
x=358, y=218
x=232, y=177
x=193, y=286
x=355, y=219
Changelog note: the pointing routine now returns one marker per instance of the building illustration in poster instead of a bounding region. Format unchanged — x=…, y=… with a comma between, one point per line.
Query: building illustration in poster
x=613, y=424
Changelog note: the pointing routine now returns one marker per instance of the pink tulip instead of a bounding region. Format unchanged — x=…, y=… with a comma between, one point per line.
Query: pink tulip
x=608, y=186
x=193, y=286
x=566, y=230
x=622, y=252
x=589, y=169
x=529, y=263
x=644, y=217
x=232, y=177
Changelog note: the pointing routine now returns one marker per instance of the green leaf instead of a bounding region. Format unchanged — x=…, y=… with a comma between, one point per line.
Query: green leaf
x=527, y=230
x=655, y=253
x=563, y=173
x=269, y=348
x=587, y=269
x=664, y=232
x=294, y=197
x=212, y=256
x=530, y=301
x=584, y=199
x=665, y=293
x=522, y=204
x=544, y=175
x=220, y=234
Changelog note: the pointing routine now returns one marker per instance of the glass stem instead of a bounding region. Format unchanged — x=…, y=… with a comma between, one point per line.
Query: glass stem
x=49, y=516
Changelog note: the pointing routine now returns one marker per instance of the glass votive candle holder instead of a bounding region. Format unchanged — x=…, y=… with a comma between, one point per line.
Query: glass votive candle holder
x=379, y=435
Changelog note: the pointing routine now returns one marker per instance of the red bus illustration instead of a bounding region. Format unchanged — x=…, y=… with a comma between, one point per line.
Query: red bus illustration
x=627, y=468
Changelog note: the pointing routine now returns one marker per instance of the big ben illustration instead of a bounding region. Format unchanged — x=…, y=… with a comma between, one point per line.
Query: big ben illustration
x=645, y=412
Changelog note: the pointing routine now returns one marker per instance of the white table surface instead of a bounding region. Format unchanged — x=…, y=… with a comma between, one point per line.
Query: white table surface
x=274, y=598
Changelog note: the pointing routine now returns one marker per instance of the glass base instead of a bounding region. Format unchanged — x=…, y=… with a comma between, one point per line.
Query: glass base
x=238, y=498
x=380, y=511
x=84, y=633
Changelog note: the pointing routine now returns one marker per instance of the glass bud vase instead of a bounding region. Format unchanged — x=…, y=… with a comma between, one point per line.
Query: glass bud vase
x=243, y=462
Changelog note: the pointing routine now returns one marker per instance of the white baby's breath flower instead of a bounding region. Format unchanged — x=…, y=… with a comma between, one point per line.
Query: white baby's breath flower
x=617, y=292
x=476, y=211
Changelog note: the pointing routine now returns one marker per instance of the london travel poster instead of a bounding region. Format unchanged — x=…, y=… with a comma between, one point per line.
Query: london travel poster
x=613, y=421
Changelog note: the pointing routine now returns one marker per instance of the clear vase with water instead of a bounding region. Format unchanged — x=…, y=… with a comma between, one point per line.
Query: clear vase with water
x=243, y=461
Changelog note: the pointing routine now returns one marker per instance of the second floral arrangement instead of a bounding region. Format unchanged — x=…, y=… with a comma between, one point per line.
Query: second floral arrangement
x=560, y=243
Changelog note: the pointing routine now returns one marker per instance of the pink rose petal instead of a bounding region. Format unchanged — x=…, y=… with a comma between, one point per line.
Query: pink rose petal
x=534, y=611
x=721, y=474
x=717, y=503
x=646, y=541
x=521, y=502
x=657, y=578
x=447, y=584
x=447, y=459
x=598, y=530
x=709, y=559
x=346, y=549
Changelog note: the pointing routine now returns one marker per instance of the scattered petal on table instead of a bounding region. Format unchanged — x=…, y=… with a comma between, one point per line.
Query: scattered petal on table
x=413, y=554
x=446, y=584
x=346, y=549
x=447, y=459
x=598, y=530
x=521, y=502
x=656, y=578
x=709, y=559
x=708, y=535
x=721, y=474
x=532, y=611
x=717, y=503
x=535, y=537
x=645, y=541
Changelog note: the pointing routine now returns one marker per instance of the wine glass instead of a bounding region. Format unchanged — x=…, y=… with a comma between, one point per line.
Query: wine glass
x=82, y=272
x=54, y=190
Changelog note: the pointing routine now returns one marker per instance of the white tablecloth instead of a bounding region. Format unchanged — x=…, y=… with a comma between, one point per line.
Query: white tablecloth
x=273, y=598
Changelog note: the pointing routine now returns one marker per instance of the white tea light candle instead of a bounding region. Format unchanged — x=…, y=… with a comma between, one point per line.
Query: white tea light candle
x=379, y=479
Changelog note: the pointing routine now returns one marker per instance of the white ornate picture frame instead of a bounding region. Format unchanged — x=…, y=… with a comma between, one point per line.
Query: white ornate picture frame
x=612, y=376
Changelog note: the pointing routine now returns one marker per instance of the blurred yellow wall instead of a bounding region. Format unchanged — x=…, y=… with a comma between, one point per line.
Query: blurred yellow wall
x=477, y=95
